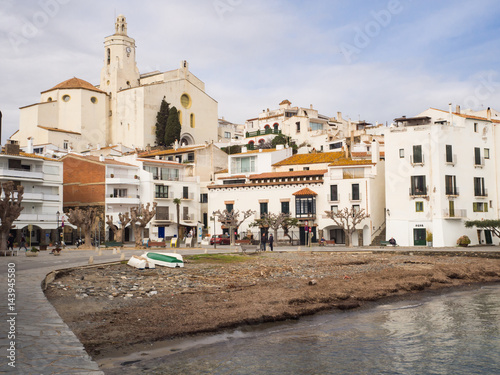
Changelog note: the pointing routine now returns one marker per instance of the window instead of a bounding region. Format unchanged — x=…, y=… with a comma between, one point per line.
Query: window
x=355, y=208
x=204, y=198
x=355, y=192
x=315, y=126
x=305, y=168
x=153, y=171
x=486, y=153
x=475, y=127
x=205, y=220
x=349, y=173
x=401, y=153
x=449, y=154
x=227, y=135
x=334, y=209
x=479, y=190
x=161, y=191
x=169, y=174
x=185, y=213
x=180, y=116
x=477, y=156
x=66, y=98
x=185, y=101
x=305, y=206
x=120, y=193
x=417, y=154
x=450, y=185
x=297, y=124
x=93, y=100
x=65, y=144
x=191, y=120
x=285, y=207
x=190, y=156
x=418, y=186
x=161, y=213
x=419, y=206
x=229, y=207
x=334, y=193
x=263, y=209
x=336, y=145
x=243, y=165
x=479, y=207
x=185, y=192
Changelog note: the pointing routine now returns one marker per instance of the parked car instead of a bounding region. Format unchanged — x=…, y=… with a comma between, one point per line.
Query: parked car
x=220, y=239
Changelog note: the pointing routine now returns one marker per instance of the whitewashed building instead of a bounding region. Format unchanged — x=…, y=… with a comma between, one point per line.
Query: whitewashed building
x=42, y=180
x=441, y=171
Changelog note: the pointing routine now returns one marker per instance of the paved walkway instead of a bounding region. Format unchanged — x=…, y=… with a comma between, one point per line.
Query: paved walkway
x=33, y=337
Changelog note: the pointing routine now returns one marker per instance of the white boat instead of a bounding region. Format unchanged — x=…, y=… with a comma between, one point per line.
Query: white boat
x=164, y=259
x=140, y=262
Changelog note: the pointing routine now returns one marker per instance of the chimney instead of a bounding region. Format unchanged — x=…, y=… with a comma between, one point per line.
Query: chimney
x=101, y=158
x=311, y=106
x=450, y=113
x=29, y=149
x=339, y=116
x=457, y=109
x=375, y=151
x=12, y=147
x=488, y=113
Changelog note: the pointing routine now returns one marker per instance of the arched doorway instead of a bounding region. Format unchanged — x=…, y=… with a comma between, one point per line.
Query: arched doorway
x=186, y=139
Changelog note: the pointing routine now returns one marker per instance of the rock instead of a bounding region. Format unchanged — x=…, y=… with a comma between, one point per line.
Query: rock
x=312, y=282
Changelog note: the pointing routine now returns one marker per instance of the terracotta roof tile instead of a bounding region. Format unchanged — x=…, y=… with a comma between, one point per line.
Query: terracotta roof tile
x=304, y=192
x=318, y=172
x=75, y=83
x=180, y=150
x=320, y=157
x=256, y=151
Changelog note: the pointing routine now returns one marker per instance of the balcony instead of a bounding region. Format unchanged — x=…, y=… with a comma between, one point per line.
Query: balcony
x=481, y=193
x=32, y=197
x=164, y=218
x=306, y=216
x=262, y=132
x=334, y=198
x=454, y=214
x=188, y=217
x=114, y=179
x=418, y=192
x=124, y=200
x=355, y=197
x=450, y=159
x=478, y=162
x=21, y=174
x=417, y=161
x=451, y=191
x=189, y=196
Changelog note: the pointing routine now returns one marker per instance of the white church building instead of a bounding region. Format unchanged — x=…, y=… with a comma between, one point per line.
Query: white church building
x=76, y=115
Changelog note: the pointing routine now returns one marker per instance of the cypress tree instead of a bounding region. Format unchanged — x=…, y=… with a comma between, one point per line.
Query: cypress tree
x=161, y=122
x=173, y=128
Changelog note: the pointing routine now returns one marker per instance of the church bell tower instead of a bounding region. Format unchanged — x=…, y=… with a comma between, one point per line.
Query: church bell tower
x=120, y=69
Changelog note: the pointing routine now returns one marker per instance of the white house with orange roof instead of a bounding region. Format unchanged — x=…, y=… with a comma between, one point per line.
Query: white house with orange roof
x=442, y=170
x=301, y=185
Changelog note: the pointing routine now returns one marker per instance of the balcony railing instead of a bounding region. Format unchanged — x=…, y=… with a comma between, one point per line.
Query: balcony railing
x=454, y=214
x=452, y=191
x=481, y=193
x=415, y=192
x=417, y=161
x=451, y=161
x=165, y=217
x=188, y=196
x=188, y=217
x=333, y=198
x=354, y=197
x=479, y=163
x=306, y=215
x=262, y=132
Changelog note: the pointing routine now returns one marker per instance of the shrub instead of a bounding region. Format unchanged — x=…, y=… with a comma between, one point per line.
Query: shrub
x=464, y=240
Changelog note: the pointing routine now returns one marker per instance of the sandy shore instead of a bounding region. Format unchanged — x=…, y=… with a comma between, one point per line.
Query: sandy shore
x=114, y=309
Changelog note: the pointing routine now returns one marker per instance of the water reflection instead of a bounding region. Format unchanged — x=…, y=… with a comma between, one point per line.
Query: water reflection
x=456, y=333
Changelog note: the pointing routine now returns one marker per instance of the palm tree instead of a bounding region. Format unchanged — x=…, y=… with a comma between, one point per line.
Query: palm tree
x=177, y=202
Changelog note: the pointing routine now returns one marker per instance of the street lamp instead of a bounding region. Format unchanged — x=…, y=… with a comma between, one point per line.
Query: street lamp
x=215, y=238
x=58, y=236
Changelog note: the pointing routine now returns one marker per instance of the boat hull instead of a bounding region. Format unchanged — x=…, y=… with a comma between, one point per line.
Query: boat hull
x=164, y=259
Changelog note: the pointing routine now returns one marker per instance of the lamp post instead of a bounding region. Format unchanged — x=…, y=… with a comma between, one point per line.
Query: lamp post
x=57, y=239
x=215, y=238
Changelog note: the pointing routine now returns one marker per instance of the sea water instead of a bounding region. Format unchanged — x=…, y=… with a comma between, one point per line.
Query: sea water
x=452, y=333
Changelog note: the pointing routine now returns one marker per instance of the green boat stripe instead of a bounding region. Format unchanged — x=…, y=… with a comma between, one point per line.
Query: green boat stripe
x=164, y=258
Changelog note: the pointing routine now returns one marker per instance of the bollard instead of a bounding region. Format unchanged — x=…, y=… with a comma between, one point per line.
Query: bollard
x=114, y=251
x=118, y=251
x=91, y=260
x=100, y=252
x=122, y=257
x=206, y=251
x=299, y=249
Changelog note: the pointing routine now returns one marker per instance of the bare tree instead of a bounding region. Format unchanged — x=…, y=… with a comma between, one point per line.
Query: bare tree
x=347, y=219
x=231, y=219
x=140, y=217
x=10, y=209
x=124, y=219
x=85, y=219
x=287, y=224
x=273, y=221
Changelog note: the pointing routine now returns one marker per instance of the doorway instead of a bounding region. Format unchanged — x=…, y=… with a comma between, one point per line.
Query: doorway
x=419, y=237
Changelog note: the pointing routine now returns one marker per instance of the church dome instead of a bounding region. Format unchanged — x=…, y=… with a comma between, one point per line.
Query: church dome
x=74, y=83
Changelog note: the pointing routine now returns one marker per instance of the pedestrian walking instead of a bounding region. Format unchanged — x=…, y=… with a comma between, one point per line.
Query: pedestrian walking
x=10, y=242
x=271, y=241
x=263, y=241
x=23, y=243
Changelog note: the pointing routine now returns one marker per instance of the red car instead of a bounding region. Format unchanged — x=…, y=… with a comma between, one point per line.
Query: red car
x=220, y=239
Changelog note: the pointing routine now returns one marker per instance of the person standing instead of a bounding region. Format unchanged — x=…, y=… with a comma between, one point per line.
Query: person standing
x=263, y=241
x=271, y=241
x=23, y=243
x=10, y=242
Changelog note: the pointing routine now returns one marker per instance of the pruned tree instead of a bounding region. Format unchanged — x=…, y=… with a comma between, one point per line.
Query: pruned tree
x=161, y=122
x=491, y=225
x=124, y=219
x=287, y=224
x=85, y=219
x=347, y=219
x=232, y=219
x=177, y=202
x=173, y=128
x=140, y=217
x=10, y=209
x=272, y=221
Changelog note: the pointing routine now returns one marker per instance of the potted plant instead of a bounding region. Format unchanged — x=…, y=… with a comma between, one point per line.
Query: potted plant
x=33, y=252
x=43, y=246
x=428, y=238
x=112, y=175
x=463, y=241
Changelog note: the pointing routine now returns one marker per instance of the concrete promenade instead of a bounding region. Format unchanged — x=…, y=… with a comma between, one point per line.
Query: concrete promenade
x=33, y=337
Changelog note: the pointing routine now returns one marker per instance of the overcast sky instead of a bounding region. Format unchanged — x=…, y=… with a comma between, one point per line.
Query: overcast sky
x=371, y=60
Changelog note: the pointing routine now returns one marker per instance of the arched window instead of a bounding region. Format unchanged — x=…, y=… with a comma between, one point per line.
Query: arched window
x=109, y=56
x=180, y=116
x=251, y=145
x=276, y=126
x=267, y=129
x=192, y=120
x=262, y=141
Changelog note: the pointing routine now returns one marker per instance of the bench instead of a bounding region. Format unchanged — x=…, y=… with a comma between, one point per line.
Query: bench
x=386, y=243
x=113, y=244
x=156, y=243
x=245, y=247
x=243, y=242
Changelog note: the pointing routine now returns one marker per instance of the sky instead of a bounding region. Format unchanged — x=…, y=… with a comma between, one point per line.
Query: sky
x=371, y=60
